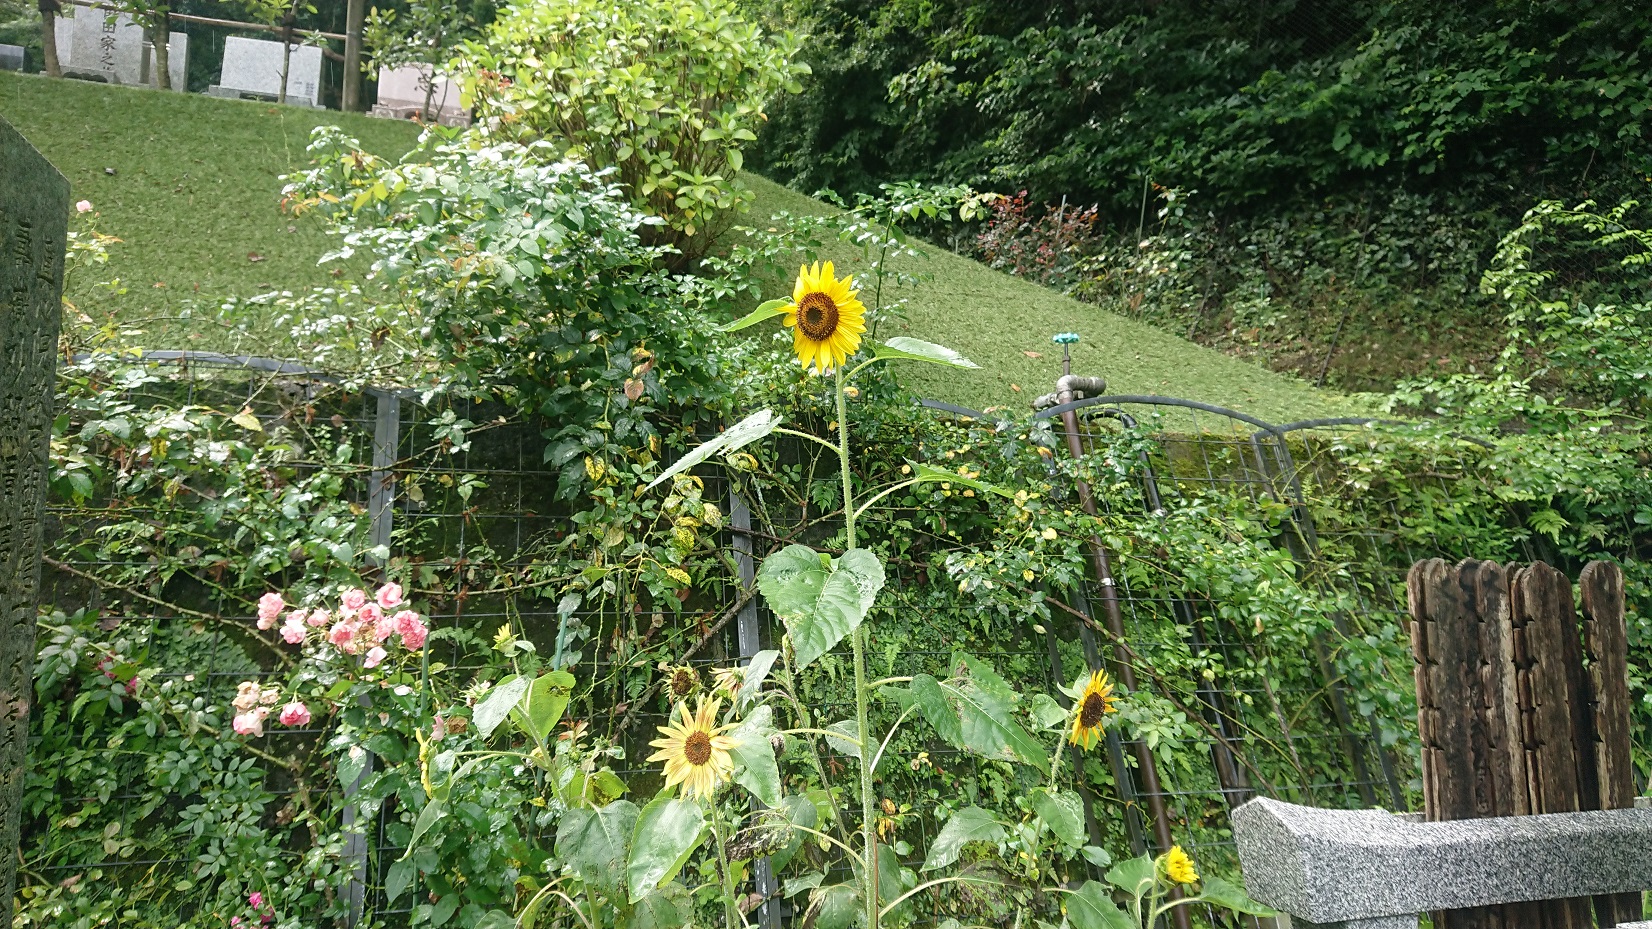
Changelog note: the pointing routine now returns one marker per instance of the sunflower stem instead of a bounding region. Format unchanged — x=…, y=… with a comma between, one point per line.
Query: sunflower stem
x=731, y=914
x=857, y=641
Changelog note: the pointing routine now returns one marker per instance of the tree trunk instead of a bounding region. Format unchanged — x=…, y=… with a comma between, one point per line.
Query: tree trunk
x=48, y=36
x=350, y=100
x=34, y=213
x=160, y=36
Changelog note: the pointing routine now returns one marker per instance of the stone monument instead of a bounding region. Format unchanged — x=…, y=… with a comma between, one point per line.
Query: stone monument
x=11, y=57
x=114, y=48
x=252, y=68
x=34, y=216
x=403, y=92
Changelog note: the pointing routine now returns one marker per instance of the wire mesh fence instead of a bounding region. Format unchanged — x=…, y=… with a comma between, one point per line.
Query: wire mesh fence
x=459, y=497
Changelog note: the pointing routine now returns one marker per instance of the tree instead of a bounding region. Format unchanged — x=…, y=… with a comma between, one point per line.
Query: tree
x=424, y=34
x=48, y=35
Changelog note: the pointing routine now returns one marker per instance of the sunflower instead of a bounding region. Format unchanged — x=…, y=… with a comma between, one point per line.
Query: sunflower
x=1093, y=704
x=1178, y=867
x=684, y=681
x=695, y=752
x=825, y=317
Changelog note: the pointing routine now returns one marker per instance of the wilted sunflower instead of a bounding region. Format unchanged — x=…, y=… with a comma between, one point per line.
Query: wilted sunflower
x=728, y=680
x=1178, y=867
x=825, y=318
x=695, y=752
x=1094, y=702
x=683, y=682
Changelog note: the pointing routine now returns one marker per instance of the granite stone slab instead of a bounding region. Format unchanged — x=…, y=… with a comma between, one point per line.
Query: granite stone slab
x=113, y=47
x=11, y=57
x=253, y=66
x=402, y=95
x=1337, y=866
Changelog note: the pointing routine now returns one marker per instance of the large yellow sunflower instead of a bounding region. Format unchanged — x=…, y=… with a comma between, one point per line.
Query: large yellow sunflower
x=1092, y=705
x=825, y=318
x=695, y=752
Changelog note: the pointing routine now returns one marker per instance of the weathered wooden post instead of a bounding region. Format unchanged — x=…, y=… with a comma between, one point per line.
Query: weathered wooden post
x=34, y=211
x=1511, y=721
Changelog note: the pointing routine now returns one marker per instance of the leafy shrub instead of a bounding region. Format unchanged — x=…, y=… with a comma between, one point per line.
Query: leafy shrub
x=529, y=282
x=666, y=93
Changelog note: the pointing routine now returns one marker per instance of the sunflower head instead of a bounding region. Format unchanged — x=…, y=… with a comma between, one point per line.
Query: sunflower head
x=1090, y=708
x=1177, y=866
x=728, y=680
x=683, y=682
x=825, y=318
x=695, y=751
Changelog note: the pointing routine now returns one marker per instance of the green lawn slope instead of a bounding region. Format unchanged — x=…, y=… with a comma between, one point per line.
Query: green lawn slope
x=190, y=184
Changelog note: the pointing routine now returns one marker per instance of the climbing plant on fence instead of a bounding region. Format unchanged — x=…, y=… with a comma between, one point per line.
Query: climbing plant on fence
x=1257, y=571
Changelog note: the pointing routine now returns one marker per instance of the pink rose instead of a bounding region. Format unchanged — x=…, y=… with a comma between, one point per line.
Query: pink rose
x=255, y=899
x=374, y=656
x=294, y=714
x=84, y=206
x=297, y=617
x=266, y=622
x=343, y=635
x=370, y=613
x=390, y=595
x=269, y=607
x=294, y=634
x=250, y=723
x=413, y=633
x=353, y=599
x=384, y=630
x=319, y=618
x=246, y=696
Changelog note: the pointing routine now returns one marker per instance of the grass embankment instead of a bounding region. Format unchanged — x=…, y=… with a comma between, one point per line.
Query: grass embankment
x=190, y=184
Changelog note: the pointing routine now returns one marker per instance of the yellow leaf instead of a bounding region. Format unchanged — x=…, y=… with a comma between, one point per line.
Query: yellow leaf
x=247, y=420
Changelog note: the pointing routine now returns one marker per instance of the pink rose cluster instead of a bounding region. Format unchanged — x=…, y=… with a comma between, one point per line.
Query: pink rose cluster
x=253, y=704
x=360, y=626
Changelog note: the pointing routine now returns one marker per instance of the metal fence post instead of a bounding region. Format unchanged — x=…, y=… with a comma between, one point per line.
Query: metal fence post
x=750, y=635
x=381, y=505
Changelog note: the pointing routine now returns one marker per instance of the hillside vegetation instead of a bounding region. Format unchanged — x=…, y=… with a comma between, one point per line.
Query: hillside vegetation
x=190, y=184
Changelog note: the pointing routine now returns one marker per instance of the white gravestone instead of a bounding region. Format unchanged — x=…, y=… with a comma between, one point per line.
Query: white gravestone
x=11, y=57
x=252, y=67
x=402, y=93
x=114, y=48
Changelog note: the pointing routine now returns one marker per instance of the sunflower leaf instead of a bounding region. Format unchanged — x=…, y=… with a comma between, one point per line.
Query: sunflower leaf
x=667, y=832
x=739, y=435
x=1220, y=892
x=597, y=841
x=1092, y=907
x=929, y=474
x=767, y=310
x=821, y=600
x=902, y=348
x=1063, y=812
x=754, y=755
x=975, y=711
x=970, y=824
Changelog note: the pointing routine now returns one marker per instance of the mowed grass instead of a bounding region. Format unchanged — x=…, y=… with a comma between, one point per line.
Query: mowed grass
x=191, y=185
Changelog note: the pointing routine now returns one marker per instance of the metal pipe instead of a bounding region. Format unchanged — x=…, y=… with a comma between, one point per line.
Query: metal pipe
x=1102, y=565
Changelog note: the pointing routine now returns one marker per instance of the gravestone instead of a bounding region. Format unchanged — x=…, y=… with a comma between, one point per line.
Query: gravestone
x=114, y=48
x=402, y=94
x=252, y=68
x=11, y=57
x=1370, y=869
x=34, y=211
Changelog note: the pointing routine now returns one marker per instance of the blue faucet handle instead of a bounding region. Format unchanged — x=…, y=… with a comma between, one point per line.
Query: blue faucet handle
x=1065, y=338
